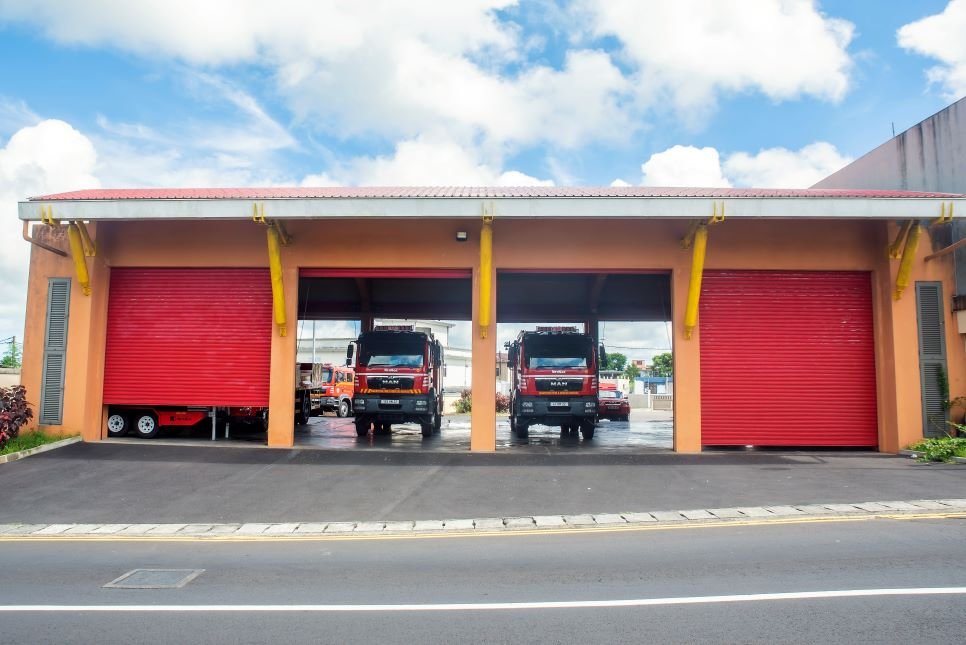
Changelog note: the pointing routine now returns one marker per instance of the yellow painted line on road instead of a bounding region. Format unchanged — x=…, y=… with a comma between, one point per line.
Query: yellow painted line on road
x=575, y=530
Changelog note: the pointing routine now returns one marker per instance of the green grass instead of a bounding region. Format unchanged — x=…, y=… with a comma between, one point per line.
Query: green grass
x=28, y=440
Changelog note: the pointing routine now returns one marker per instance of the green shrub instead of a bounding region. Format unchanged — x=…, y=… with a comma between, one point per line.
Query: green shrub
x=14, y=412
x=464, y=405
x=939, y=449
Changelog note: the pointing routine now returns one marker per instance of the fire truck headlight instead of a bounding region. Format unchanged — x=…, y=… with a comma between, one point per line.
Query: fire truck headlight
x=421, y=403
x=359, y=403
x=526, y=405
x=590, y=404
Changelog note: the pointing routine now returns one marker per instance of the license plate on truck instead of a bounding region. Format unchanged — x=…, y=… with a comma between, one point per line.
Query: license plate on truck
x=559, y=404
x=389, y=402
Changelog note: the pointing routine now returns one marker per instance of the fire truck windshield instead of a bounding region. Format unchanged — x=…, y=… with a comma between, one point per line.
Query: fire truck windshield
x=396, y=350
x=326, y=374
x=549, y=352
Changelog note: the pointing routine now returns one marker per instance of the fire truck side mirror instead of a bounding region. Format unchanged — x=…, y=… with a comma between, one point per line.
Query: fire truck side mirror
x=511, y=355
x=601, y=353
x=348, y=355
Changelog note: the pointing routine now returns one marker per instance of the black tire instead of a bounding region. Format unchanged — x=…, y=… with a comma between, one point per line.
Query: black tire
x=383, y=428
x=362, y=426
x=587, y=429
x=305, y=410
x=523, y=429
x=343, y=409
x=118, y=425
x=429, y=425
x=513, y=424
x=146, y=425
x=438, y=424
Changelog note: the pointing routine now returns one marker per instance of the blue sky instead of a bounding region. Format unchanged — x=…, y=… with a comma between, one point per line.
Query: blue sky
x=661, y=92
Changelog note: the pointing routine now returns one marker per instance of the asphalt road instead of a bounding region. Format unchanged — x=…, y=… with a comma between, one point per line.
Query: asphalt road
x=585, y=567
x=145, y=482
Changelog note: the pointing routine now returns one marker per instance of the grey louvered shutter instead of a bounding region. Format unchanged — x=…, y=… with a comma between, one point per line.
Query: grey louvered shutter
x=55, y=352
x=932, y=357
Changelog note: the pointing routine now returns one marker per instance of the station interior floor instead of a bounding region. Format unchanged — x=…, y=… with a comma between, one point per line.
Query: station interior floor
x=646, y=431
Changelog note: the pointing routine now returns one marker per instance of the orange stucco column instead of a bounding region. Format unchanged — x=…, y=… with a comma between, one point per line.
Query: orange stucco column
x=483, y=417
x=897, y=334
x=93, y=411
x=86, y=332
x=281, y=401
x=687, y=367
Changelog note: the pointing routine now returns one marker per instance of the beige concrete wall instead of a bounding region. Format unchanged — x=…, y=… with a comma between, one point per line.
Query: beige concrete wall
x=9, y=377
x=563, y=244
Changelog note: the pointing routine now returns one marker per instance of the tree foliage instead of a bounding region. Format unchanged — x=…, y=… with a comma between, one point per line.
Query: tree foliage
x=632, y=371
x=662, y=365
x=614, y=361
x=11, y=357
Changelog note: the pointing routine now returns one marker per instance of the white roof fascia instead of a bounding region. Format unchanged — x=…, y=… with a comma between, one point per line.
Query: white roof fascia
x=511, y=208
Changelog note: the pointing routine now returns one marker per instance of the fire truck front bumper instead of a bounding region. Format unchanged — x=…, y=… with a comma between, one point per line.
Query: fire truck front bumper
x=553, y=409
x=393, y=407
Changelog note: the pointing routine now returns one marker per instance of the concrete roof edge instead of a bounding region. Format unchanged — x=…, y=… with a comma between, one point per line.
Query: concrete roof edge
x=845, y=207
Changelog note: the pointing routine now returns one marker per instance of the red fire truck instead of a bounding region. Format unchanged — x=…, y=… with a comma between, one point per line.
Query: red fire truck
x=398, y=379
x=334, y=392
x=554, y=380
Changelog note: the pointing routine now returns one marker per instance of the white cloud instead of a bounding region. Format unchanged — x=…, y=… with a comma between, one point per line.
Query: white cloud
x=50, y=156
x=15, y=115
x=691, y=50
x=390, y=68
x=783, y=168
x=423, y=162
x=684, y=166
x=688, y=166
x=940, y=36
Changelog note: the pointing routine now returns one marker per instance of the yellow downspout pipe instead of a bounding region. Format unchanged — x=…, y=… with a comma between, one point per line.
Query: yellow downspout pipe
x=77, y=253
x=90, y=249
x=895, y=249
x=275, y=266
x=486, y=275
x=905, y=264
x=694, y=288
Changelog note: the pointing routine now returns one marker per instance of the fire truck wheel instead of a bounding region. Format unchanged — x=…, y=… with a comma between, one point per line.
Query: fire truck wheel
x=383, y=428
x=428, y=426
x=117, y=425
x=362, y=426
x=438, y=423
x=523, y=429
x=587, y=429
x=146, y=425
x=304, y=411
x=343, y=409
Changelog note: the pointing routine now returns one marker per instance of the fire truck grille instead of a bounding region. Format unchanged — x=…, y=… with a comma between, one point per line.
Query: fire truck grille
x=558, y=385
x=390, y=382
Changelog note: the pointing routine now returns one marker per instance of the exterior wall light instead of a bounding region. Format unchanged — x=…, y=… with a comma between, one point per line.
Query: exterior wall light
x=461, y=236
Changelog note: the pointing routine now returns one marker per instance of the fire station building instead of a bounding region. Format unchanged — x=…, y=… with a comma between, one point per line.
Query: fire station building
x=817, y=317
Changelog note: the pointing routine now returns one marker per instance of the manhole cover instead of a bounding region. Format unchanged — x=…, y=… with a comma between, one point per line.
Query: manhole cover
x=155, y=579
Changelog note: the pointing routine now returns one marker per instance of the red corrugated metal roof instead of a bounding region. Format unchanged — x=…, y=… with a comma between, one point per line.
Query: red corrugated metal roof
x=486, y=192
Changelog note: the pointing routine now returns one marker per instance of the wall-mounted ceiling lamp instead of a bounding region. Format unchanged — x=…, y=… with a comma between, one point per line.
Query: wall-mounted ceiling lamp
x=461, y=236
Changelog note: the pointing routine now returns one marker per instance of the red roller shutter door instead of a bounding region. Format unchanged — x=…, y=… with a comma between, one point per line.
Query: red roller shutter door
x=787, y=359
x=199, y=337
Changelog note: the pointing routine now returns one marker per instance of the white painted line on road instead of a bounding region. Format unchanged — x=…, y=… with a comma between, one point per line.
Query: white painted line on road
x=566, y=604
